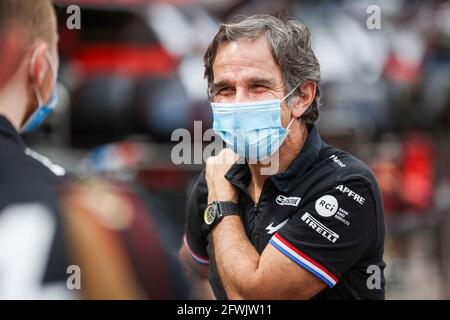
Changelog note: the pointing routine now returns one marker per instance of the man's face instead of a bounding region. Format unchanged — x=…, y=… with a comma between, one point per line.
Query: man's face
x=245, y=71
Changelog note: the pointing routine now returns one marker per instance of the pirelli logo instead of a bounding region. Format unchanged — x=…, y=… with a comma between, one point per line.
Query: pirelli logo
x=320, y=228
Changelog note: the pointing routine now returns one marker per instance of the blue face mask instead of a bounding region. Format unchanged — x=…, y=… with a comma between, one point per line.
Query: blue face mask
x=43, y=109
x=252, y=130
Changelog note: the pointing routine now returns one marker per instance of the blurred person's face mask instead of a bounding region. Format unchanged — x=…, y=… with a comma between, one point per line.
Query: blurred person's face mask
x=253, y=130
x=43, y=109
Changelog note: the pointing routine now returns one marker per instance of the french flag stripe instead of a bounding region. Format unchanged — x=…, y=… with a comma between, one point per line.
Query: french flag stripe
x=198, y=258
x=303, y=260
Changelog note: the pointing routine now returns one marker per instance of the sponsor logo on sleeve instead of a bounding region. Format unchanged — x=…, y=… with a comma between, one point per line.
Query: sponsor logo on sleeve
x=342, y=216
x=328, y=206
x=319, y=228
x=351, y=194
x=336, y=160
x=288, y=201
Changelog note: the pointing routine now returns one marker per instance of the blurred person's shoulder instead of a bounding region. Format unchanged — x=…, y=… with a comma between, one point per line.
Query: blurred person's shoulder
x=120, y=240
x=17, y=158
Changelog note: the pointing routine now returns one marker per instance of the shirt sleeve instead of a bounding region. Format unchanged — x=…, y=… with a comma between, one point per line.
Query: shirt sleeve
x=194, y=236
x=331, y=232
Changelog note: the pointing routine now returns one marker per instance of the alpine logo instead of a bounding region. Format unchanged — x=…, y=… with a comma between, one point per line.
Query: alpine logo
x=319, y=228
x=272, y=229
x=288, y=201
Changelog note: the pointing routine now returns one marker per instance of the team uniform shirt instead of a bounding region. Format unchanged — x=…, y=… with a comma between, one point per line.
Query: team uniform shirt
x=33, y=256
x=324, y=212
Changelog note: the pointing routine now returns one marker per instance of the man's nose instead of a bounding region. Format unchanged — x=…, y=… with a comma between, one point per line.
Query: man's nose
x=241, y=96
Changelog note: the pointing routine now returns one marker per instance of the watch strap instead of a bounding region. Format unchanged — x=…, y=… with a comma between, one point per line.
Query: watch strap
x=227, y=208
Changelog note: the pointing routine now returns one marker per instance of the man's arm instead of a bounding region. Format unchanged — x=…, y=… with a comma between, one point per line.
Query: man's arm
x=193, y=254
x=244, y=273
x=197, y=275
x=247, y=275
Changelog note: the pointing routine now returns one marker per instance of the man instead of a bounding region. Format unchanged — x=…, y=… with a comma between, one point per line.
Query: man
x=313, y=227
x=31, y=244
x=60, y=238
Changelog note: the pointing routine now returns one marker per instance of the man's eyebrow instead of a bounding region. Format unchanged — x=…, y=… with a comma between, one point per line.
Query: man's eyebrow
x=220, y=84
x=269, y=82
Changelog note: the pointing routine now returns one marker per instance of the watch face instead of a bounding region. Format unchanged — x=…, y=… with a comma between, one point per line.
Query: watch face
x=210, y=214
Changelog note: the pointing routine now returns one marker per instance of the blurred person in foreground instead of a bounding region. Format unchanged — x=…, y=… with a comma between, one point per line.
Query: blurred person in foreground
x=61, y=238
x=29, y=254
x=311, y=225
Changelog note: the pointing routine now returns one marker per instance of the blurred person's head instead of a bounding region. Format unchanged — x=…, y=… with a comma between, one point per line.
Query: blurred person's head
x=265, y=64
x=28, y=42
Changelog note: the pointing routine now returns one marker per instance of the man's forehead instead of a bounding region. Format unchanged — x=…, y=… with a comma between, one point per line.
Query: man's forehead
x=252, y=52
x=247, y=59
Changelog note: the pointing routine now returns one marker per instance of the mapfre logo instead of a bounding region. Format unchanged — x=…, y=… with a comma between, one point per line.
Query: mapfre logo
x=326, y=206
x=288, y=201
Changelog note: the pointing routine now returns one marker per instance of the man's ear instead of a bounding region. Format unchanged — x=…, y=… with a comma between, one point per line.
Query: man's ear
x=38, y=64
x=302, y=102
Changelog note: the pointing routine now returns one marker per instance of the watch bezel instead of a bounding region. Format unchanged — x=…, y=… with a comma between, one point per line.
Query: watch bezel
x=210, y=213
x=216, y=210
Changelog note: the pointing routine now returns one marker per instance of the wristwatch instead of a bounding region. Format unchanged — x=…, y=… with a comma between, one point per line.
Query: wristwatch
x=216, y=210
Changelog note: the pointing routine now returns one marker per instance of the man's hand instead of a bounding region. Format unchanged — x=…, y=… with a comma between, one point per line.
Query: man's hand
x=244, y=272
x=219, y=188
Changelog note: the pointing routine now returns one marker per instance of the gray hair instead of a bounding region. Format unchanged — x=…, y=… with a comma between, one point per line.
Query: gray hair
x=290, y=42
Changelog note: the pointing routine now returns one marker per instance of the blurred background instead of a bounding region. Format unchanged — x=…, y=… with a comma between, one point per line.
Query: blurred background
x=133, y=74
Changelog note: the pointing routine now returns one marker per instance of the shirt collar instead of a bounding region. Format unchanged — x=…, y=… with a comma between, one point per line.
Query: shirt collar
x=239, y=173
x=7, y=130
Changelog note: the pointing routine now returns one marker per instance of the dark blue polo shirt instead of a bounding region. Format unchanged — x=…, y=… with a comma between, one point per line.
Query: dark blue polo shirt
x=324, y=212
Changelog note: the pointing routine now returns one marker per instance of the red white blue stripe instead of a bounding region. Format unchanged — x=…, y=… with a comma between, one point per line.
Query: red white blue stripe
x=198, y=258
x=303, y=260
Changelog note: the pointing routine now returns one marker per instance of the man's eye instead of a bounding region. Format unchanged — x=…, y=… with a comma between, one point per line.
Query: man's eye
x=225, y=91
x=259, y=88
